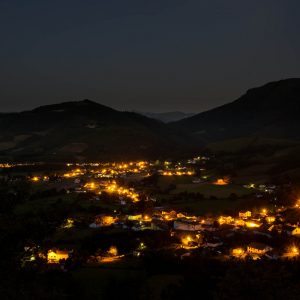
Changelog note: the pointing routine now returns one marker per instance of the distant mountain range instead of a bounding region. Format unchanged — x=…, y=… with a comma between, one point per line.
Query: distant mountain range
x=167, y=117
x=269, y=111
x=85, y=130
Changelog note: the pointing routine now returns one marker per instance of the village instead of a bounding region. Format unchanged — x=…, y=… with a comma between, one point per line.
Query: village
x=225, y=237
x=125, y=212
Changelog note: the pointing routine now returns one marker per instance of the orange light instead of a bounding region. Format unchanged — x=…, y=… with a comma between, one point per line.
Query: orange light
x=221, y=181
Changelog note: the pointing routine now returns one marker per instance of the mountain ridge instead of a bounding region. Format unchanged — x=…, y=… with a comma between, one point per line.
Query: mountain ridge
x=269, y=111
x=84, y=130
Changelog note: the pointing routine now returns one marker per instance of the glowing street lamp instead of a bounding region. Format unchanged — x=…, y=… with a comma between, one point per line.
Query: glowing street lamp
x=264, y=212
x=295, y=250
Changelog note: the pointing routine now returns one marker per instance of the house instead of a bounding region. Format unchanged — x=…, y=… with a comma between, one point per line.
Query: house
x=239, y=222
x=169, y=215
x=237, y=252
x=103, y=220
x=139, y=225
x=225, y=220
x=186, y=216
x=296, y=231
x=190, y=241
x=221, y=181
x=258, y=248
x=163, y=213
x=137, y=217
x=213, y=242
x=270, y=219
x=187, y=225
x=253, y=224
x=55, y=256
x=244, y=214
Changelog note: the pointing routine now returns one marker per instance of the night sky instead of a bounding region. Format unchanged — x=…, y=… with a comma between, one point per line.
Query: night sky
x=145, y=55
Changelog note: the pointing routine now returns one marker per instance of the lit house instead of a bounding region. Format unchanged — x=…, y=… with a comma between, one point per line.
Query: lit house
x=103, y=220
x=253, y=224
x=190, y=241
x=169, y=215
x=136, y=217
x=296, y=231
x=187, y=225
x=245, y=214
x=271, y=219
x=225, y=220
x=55, y=256
x=237, y=252
x=221, y=181
x=258, y=248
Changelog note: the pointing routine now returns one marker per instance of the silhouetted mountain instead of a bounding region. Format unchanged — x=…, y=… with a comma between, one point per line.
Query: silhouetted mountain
x=167, y=117
x=256, y=136
x=269, y=111
x=84, y=130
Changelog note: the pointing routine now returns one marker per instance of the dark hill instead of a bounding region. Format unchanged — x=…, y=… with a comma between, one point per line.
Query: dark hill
x=270, y=111
x=85, y=130
x=255, y=137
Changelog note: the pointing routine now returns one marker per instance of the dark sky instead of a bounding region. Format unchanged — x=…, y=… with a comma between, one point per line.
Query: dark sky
x=149, y=55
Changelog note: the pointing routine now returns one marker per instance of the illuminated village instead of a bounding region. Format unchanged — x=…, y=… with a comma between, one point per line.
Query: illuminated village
x=123, y=199
x=85, y=221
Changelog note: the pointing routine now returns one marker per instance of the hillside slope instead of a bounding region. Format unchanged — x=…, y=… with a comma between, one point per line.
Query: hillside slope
x=84, y=130
x=255, y=137
x=270, y=111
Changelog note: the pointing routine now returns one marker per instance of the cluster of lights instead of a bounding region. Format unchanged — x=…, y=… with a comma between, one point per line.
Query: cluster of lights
x=147, y=218
x=4, y=166
x=264, y=212
x=297, y=205
x=186, y=240
x=270, y=219
x=238, y=252
x=295, y=250
x=252, y=224
x=178, y=173
x=225, y=220
x=11, y=165
x=69, y=223
x=90, y=186
x=122, y=191
x=122, y=168
x=74, y=173
x=39, y=178
x=221, y=181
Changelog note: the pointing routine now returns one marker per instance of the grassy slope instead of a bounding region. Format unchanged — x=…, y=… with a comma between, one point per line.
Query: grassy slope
x=207, y=190
x=259, y=159
x=85, y=131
